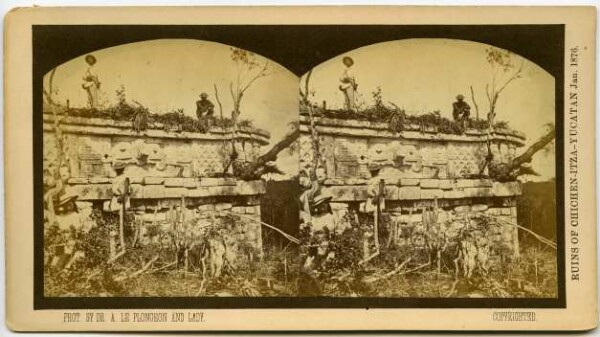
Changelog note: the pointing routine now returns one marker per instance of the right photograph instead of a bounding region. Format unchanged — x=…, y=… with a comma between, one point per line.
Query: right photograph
x=427, y=170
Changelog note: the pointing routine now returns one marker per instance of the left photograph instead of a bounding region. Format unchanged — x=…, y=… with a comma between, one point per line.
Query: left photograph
x=170, y=169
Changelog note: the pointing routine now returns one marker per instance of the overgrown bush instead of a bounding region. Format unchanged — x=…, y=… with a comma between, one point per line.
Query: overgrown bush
x=173, y=121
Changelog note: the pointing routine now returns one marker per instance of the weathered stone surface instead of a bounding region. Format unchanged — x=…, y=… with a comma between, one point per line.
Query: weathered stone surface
x=410, y=193
x=355, y=181
x=230, y=181
x=464, y=183
x=211, y=182
x=479, y=207
x=409, y=182
x=102, y=180
x=431, y=193
x=348, y=193
x=78, y=180
x=249, y=210
x=190, y=183
x=462, y=209
x=477, y=192
x=153, y=191
x=223, y=206
x=222, y=190
x=505, y=211
x=248, y=188
x=135, y=180
x=175, y=192
x=83, y=204
x=391, y=192
x=509, y=201
x=333, y=181
x=453, y=194
x=444, y=216
x=136, y=191
x=483, y=183
x=199, y=192
x=239, y=209
x=407, y=218
x=506, y=189
x=338, y=205
x=443, y=171
x=446, y=184
x=91, y=192
x=153, y=180
x=151, y=217
x=206, y=208
x=492, y=211
x=430, y=183
x=174, y=182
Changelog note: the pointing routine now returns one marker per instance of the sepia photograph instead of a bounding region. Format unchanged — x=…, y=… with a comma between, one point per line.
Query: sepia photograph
x=167, y=172
x=428, y=170
x=306, y=169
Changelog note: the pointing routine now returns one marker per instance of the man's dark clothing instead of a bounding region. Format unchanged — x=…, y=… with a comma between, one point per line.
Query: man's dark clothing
x=204, y=107
x=460, y=110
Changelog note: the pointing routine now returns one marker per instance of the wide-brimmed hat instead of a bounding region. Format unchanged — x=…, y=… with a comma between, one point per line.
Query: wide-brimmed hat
x=375, y=166
x=90, y=59
x=321, y=199
x=66, y=198
x=346, y=59
x=460, y=96
x=118, y=165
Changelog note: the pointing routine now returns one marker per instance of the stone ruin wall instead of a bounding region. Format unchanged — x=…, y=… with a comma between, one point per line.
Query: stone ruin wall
x=178, y=164
x=420, y=168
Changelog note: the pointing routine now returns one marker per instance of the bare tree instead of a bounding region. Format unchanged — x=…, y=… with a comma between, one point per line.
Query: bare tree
x=49, y=92
x=249, y=70
x=504, y=71
x=520, y=164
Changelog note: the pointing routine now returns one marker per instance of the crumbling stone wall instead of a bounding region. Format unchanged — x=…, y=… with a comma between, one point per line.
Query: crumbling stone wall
x=421, y=169
x=93, y=144
x=176, y=167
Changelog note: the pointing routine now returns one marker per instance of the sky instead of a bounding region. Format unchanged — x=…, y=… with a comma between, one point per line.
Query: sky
x=419, y=75
x=424, y=75
x=171, y=73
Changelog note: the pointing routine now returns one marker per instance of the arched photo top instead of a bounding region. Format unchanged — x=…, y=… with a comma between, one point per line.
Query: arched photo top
x=168, y=74
x=421, y=76
x=172, y=76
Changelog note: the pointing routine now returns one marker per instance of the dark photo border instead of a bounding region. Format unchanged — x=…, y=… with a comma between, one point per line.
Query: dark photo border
x=289, y=46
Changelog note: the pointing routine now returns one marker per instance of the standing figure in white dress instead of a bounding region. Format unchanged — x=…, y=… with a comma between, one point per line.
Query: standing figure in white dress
x=91, y=84
x=348, y=84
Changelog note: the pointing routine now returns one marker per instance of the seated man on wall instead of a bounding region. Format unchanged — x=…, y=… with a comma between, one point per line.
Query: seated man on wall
x=204, y=107
x=461, y=110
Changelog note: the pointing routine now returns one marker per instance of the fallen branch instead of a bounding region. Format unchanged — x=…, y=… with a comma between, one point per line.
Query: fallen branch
x=114, y=258
x=286, y=235
x=139, y=272
x=415, y=268
x=164, y=267
x=535, y=235
x=453, y=289
x=369, y=258
x=386, y=275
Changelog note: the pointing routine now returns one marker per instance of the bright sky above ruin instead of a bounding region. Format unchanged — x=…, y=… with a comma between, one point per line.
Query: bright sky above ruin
x=424, y=75
x=169, y=74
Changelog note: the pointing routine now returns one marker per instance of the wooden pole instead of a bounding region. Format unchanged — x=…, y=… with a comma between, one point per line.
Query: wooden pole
x=122, y=214
x=377, y=215
x=185, y=243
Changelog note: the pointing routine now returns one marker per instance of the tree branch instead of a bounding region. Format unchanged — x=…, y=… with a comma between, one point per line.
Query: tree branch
x=218, y=100
x=541, y=143
x=261, y=73
x=474, y=102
